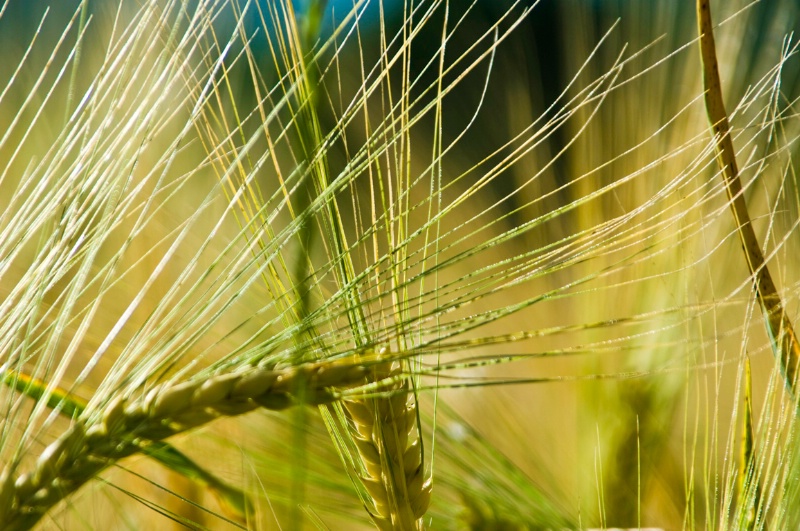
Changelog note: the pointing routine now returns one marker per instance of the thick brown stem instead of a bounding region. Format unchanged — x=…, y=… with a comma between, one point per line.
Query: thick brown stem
x=779, y=327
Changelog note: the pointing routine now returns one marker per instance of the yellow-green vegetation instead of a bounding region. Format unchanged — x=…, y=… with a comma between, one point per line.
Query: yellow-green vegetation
x=408, y=265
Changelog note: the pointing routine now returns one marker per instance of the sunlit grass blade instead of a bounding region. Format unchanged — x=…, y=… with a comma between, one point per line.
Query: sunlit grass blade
x=747, y=483
x=58, y=399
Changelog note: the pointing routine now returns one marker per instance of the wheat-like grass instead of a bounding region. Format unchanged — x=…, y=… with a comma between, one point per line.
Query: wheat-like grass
x=232, y=499
x=388, y=441
x=358, y=247
x=127, y=424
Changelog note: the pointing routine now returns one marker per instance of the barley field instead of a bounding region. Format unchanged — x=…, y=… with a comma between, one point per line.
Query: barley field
x=399, y=264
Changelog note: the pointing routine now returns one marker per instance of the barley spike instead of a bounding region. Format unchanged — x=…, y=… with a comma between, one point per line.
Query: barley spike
x=128, y=424
x=385, y=434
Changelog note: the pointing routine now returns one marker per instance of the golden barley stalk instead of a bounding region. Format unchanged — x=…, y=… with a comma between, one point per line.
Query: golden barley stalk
x=233, y=500
x=127, y=424
x=385, y=432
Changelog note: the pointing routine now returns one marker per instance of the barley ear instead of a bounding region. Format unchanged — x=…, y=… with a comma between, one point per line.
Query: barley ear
x=128, y=425
x=387, y=436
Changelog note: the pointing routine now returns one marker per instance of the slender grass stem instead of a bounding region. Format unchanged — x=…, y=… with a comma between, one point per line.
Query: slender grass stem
x=779, y=326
